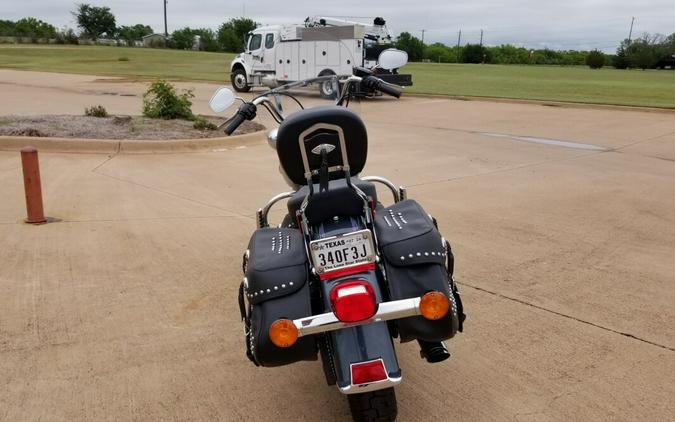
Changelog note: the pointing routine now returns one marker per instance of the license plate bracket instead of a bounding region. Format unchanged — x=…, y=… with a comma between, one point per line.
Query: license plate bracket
x=341, y=252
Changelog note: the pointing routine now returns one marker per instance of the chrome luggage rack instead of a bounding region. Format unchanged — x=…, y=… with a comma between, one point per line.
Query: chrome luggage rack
x=399, y=194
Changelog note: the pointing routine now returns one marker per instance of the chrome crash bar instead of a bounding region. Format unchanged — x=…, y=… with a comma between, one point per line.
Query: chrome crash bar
x=386, y=311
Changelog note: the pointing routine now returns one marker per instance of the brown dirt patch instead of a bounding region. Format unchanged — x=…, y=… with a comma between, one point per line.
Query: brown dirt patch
x=113, y=127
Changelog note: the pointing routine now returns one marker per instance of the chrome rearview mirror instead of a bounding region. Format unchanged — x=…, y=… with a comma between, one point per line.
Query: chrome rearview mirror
x=392, y=58
x=222, y=99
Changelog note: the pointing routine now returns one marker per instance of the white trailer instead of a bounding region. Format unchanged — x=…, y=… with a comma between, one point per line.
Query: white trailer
x=280, y=54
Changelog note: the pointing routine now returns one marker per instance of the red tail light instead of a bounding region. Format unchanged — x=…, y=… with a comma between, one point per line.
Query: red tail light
x=353, y=301
x=367, y=372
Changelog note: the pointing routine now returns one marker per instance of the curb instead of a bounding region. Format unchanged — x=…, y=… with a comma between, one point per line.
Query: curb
x=111, y=146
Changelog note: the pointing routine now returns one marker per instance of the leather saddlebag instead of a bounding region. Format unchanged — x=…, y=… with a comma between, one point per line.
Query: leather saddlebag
x=276, y=286
x=414, y=256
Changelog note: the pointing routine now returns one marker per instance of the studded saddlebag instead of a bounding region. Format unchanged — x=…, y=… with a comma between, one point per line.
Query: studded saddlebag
x=414, y=257
x=276, y=286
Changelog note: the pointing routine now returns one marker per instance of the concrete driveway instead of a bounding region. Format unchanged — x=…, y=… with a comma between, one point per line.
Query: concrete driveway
x=562, y=221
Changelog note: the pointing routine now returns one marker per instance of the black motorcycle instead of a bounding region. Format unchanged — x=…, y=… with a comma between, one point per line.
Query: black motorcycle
x=342, y=276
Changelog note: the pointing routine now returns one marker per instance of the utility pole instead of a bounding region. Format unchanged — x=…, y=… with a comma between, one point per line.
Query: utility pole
x=423, y=31
x=481, y=37
x=459, y=41
x=630, y=34
x=166, y=29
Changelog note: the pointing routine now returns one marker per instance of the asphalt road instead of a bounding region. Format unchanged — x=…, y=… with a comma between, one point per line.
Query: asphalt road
x=562, y=221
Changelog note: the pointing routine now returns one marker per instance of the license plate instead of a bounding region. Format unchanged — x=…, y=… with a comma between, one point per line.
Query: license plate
x=340, y=252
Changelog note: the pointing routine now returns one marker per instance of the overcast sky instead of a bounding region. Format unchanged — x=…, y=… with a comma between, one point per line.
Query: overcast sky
x=566, y=24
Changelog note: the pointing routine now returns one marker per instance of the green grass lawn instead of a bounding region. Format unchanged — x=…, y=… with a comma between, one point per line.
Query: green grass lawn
x=548, y=83
x=100, y=60
x=653, y=88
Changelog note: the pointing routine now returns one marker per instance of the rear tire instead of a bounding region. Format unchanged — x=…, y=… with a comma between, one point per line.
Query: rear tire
x=376, y=406
x=239, y=80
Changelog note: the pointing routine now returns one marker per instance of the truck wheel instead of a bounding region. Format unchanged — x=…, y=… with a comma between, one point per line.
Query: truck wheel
x=326, y=88
x=239, y=82
x=376, y=406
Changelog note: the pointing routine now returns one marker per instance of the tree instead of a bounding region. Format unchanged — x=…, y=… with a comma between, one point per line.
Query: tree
x=621, y=61
x=228, y=40
x=183, y=39
x=595, y=59
x=667, y=47
x=7, y=28
x=208, y=40
x=440, y=53
x=411, y=45
x=95, y=21
x=232, y=34
x=646, y=51
x=547, y=56
x=475, y=53
x=133, y=33
x=509, y=54
x=34, y=28
x=642, y=55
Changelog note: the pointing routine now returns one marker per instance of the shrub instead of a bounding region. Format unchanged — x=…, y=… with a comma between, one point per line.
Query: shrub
x=203, y=124
x=96, y=111
x=595, y=59
x=161, y=101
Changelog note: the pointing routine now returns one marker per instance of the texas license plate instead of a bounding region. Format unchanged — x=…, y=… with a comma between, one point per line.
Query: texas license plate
x=340, y=252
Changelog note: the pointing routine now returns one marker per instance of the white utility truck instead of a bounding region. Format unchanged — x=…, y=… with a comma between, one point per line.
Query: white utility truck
x=275, y=55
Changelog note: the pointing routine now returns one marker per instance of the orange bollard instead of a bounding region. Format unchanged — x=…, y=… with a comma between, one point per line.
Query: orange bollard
x=32, y=185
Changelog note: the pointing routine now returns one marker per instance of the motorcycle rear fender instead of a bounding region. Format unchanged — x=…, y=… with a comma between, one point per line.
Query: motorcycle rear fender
x=361, y=343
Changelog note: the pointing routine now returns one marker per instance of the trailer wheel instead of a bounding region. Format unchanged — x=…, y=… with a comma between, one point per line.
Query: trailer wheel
x=326, y=88
x=239, y=82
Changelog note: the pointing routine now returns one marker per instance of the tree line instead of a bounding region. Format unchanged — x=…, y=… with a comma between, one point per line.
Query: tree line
x=27, y=28
x=95, y=23
x=645, y=53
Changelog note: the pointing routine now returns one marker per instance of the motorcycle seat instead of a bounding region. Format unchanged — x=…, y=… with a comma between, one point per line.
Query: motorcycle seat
x=339, y=199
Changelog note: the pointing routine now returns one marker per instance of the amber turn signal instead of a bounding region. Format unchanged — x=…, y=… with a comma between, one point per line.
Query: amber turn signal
x=283, y=333
x=434, y=305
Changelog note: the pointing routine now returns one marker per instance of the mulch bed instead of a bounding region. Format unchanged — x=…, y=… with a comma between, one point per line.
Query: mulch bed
x=113, y=127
